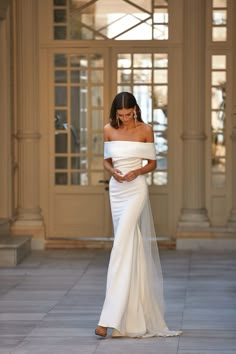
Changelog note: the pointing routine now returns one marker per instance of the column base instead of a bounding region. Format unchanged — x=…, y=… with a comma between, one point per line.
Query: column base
x=34, y=228
x=193, y=218
x=209, y=238
x=232, y=220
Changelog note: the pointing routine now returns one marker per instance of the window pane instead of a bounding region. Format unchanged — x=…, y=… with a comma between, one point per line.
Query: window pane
x=96, y=76
x=218, y=77
x=79, y=178
x=60, y=119
x=60, y=32
x=219, y=3
x=60, y=60
x=104, y=19
x=60, y=76
x=97, y=144
x=219, y=17
x=160, y=76
x=61, y=178
x=60, y=96
x=61, y=163
x=97, y=96
x=97, y=119
x=219, y=34
x=59, y=16
x=218, y=62
x=160, y=178
x=61, y=143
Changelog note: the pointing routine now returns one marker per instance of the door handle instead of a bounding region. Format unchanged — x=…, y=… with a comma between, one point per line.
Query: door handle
x=105, y=181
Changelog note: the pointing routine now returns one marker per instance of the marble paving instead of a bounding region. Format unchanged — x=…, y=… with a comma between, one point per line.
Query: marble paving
x=50, y=304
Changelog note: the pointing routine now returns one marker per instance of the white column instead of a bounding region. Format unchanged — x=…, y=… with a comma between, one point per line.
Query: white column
x=194, y=213
x=29, y=217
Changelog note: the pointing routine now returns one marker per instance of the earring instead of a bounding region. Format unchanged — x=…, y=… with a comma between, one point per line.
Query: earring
x=117, y=121
x=135, y=117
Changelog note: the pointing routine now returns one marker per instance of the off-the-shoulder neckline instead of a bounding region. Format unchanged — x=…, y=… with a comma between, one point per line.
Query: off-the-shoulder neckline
x=128, y=141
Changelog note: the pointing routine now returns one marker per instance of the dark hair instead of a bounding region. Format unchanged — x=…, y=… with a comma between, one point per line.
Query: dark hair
x=123, y=100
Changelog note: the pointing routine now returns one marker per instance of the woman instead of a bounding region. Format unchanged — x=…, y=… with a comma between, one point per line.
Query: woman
x=133, y=304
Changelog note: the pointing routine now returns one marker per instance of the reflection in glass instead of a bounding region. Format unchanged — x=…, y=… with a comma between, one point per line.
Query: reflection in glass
x=79, y=178
x=97, y=119
x=60, y=76
x=60, y=32
x=97, y=96
x=59, y=2
x=142, y=76
x=78, y=76
x=61, y=178
x=60, y=119
x=60, y=143
x=104, y=19
x=60, y=60
x=142, y=60
x=123, y=60
x=219, y=17
x=97, y=143
x=79, y=163
x=96, y=76
x=217, y=98
x=78, y=60
x=124, y=75
x=160, y=96
x=160, y=32
x=61, y=163
x=60, y=96
x=96, y=61
x=59, y=16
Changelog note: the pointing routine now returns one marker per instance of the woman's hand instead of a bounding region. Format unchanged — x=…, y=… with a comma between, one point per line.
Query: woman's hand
x=131, y=175
x=117, y=174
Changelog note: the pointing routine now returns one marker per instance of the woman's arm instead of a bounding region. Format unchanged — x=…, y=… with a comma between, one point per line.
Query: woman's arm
x=107, y=163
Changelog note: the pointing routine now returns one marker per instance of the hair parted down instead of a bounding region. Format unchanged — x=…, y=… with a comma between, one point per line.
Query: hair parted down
x=123, y=100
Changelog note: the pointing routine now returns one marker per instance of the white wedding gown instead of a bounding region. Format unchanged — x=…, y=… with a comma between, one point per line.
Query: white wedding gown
x=133, y=305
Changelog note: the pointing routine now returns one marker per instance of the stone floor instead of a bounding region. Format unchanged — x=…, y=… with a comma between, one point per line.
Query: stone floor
x=50, y=303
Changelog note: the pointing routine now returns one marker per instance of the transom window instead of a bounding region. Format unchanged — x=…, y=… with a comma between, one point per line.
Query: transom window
x=106, y=19
x=219, y=20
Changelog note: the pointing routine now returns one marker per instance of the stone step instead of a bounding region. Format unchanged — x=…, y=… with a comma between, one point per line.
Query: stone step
x=13, y=248
x=99, y=242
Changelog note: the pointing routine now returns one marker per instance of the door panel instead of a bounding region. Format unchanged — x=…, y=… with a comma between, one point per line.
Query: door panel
x=79, y=203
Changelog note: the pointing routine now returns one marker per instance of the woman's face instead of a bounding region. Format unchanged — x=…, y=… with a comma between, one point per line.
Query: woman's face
x=126, y=115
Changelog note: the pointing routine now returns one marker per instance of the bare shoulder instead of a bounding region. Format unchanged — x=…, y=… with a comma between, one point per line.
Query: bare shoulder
x=147, y=132
x=107, y=131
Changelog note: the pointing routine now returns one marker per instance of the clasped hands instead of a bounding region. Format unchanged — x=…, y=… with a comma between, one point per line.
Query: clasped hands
x=130, y=176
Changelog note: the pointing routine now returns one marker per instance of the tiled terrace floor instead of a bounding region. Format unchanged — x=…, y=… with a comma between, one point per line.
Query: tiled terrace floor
x=50, y=304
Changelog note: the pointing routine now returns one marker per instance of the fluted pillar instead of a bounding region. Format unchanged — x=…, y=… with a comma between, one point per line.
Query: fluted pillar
x=28, y=216
x=232, y=218
x=194, y=213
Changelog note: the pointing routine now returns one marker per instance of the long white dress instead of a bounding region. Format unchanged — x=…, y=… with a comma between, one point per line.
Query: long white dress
x=133, y=305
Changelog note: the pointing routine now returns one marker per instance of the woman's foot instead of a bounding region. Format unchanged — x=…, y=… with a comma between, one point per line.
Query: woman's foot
x=101, y=331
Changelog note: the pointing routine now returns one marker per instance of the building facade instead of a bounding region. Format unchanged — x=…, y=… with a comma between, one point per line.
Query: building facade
x=61, y=64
